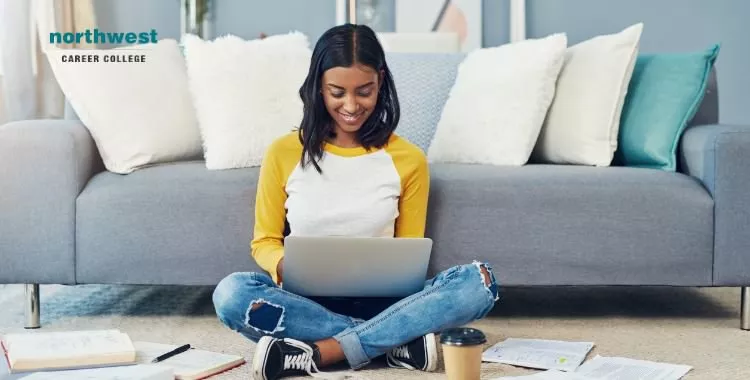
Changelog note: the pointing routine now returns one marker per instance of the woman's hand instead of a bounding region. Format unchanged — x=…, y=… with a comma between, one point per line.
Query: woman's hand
x=280, y=270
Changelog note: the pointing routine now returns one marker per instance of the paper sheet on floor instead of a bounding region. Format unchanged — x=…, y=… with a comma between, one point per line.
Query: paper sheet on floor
x=606, y=368
x=132, y=372
x=546, y=375
x=539, y=353
x=614, y=368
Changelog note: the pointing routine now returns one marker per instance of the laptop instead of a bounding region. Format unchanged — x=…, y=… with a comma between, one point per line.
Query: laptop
x=339, y=266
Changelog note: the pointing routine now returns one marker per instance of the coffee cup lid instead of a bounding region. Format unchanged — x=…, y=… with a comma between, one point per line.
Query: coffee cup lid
x=462, y=336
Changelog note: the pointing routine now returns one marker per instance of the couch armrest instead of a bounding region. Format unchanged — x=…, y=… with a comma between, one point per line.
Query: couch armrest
x=719, y=156
x=44, y=165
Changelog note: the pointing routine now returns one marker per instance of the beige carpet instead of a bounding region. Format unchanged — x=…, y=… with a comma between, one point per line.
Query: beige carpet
x=697, y=327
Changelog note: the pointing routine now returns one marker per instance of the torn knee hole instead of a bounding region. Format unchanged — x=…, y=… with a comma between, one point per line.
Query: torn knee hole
x=488, y=279
x=486, y=275
x=265, y=317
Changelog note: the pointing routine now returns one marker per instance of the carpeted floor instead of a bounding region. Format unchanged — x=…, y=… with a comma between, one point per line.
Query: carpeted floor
x=697, y=327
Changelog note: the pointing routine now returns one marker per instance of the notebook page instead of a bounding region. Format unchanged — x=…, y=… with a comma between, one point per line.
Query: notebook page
x=539, y=353
x=187, y=363
x=547, y=375
x=40, y=346
x=615, y=368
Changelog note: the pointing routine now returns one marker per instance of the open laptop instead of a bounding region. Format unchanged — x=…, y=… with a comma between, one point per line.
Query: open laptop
x=340, y=266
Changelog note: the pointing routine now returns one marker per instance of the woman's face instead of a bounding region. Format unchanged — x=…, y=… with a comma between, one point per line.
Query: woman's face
x=350, y=95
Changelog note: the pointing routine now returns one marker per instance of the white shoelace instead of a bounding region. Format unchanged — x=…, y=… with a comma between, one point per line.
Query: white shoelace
x=305, y=362
x=399, y=352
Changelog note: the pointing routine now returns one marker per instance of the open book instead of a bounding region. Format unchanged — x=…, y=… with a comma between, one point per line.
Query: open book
x=40, y=351
x=191, y=364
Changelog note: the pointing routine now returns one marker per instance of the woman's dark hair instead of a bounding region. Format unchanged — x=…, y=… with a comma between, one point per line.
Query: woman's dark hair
x=345, y=46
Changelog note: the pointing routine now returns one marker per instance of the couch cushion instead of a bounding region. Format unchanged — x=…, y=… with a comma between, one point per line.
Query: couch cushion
x=572, y=225
x=167, y=224
x=556, y=225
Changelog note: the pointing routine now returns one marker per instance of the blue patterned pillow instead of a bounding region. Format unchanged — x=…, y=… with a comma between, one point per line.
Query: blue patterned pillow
x=423, y=82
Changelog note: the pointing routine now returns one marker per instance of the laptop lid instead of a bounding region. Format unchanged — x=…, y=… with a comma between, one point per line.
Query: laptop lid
x=340, y=266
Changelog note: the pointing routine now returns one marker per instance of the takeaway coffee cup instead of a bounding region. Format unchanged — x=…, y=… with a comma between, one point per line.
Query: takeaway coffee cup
x=462, y=352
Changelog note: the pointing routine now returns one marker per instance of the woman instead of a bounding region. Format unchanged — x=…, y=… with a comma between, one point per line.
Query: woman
x=345, y=172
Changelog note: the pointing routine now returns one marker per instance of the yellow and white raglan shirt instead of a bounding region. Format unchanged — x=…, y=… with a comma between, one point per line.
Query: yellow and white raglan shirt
x=380, y=193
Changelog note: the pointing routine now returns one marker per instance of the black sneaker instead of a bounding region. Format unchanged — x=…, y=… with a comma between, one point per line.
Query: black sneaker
x=419, y=354
x=275, y=358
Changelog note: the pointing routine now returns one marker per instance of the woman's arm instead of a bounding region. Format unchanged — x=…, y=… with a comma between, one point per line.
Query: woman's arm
x=414, y=195
x=268, y=234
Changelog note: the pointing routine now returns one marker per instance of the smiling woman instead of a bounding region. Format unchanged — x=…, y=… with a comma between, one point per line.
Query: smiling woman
x=345, y=172
x=350, y=97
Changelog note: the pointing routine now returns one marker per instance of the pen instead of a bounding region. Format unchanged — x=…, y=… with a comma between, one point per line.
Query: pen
x=441, y=15
x=169, y=354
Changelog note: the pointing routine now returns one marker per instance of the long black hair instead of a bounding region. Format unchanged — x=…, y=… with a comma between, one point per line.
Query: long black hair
x=344, y=46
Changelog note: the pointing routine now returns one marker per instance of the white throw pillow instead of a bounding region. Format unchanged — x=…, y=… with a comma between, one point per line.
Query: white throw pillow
x=498, y=103
x=584, y=119
x=246, y=93
x=138, y=113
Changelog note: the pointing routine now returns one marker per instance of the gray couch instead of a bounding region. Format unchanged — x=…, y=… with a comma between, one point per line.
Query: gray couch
x=64, y=220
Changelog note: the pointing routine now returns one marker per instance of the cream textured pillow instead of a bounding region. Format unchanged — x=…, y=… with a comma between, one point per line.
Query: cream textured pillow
x=246, y=93
x=138, y=113
x=584, y=119
x=498, y=103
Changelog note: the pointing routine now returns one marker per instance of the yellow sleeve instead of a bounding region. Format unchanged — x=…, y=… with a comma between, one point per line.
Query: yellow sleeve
x=267, y=246
x=412, y=167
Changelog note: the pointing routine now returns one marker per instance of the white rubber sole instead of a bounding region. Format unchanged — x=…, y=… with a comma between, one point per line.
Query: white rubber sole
x=260, y=357
x=432, y=352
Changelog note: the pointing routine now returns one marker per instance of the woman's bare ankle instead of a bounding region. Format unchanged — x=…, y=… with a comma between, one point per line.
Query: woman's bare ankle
x=330, y=352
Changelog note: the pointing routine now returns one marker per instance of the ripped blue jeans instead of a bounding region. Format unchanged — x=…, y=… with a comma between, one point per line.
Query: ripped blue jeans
x=253, y=305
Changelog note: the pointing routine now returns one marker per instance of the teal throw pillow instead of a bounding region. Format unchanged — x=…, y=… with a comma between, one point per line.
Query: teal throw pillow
x=664, y=94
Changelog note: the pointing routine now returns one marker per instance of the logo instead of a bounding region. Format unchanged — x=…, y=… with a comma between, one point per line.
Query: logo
x=98, y=37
